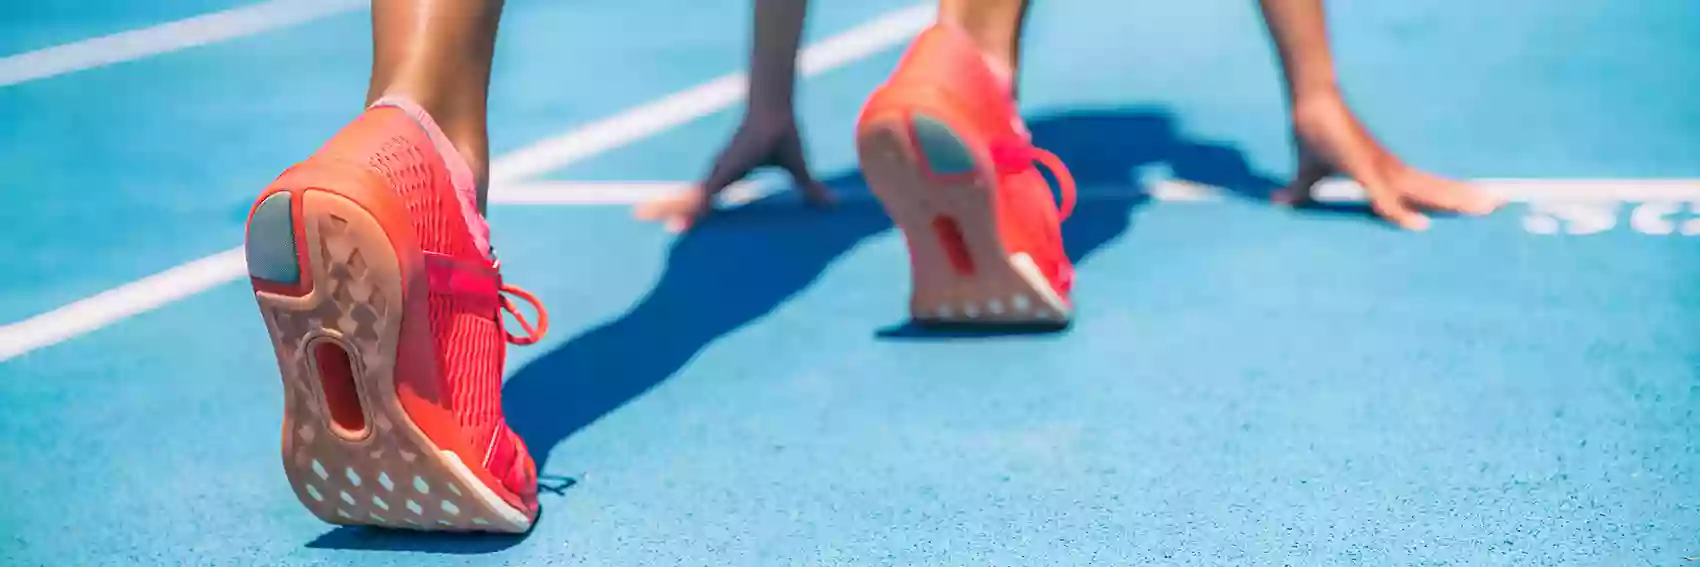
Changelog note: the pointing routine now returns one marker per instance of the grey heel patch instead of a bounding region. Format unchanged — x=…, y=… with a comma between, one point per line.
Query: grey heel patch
x=944, y=151
x=271, y=241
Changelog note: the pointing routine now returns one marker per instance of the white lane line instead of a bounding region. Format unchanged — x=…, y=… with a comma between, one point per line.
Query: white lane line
x=1530, y=190
x=123, y=301
x=166, y=37
x=545, y=192
x=583, y=193
x=550, y=154
x=679, y=108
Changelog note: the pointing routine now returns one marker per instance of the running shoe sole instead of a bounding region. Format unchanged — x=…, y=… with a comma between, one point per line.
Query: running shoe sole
x=939, y=190
x=334, y=289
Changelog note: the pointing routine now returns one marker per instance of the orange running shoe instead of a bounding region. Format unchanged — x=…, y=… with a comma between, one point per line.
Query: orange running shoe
x=944, y=149
x=372, y=271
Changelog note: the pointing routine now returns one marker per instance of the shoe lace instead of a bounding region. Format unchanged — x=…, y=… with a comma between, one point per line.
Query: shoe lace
x=1018, y=157
x=532, y=334
x=449, y=275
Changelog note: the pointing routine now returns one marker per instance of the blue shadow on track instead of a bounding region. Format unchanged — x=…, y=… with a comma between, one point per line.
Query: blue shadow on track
x=744, y=263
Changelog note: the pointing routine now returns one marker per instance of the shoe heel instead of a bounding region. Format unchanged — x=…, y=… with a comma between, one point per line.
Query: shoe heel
x=943, y=152
x=270, y=245
x=352, y=452
x=940, y=190
x=334, y=328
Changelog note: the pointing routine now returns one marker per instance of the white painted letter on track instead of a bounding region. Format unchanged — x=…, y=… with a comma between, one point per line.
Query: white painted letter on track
x=1659, y=218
